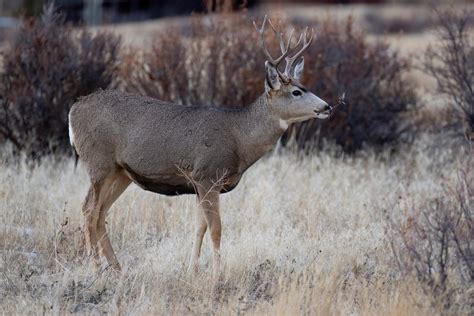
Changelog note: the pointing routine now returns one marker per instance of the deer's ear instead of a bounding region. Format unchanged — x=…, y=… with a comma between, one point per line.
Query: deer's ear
x=272, y=79
x=298, y=72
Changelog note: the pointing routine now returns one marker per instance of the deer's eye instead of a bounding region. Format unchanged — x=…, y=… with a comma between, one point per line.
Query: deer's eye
x=297, y=93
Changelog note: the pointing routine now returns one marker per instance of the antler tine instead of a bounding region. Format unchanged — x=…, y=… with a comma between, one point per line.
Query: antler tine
x=261, y=31
x=299, y=41
x=279, y=34
x=288, y=45
x=287, y=48
x=306, y=43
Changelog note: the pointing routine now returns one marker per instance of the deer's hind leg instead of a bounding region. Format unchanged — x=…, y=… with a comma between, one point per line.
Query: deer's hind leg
x=91, y=216
x=102, y=194
x=113, y=187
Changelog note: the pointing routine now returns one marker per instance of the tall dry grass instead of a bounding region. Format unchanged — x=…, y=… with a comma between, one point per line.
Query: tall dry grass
x=301, y=235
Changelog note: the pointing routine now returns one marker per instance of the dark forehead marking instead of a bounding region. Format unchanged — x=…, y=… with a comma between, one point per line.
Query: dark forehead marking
x=297, y=84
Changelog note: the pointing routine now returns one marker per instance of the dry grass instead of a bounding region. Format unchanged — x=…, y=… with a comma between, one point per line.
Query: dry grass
x=301, y=235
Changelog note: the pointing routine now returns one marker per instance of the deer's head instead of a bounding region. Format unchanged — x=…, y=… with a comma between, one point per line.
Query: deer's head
x=287, y=96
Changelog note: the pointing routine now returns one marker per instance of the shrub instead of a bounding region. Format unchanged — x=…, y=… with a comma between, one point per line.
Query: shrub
x=192, y=65
x=435, y=243
x=451, y=63
x=46, y=67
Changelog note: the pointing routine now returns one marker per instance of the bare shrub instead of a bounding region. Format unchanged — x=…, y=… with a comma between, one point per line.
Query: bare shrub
x=435, y=242
x=46, y=67
x=192, y=65
x=451, y=62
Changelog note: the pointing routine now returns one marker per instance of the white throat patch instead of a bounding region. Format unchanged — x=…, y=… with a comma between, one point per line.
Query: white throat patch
x=283, y=124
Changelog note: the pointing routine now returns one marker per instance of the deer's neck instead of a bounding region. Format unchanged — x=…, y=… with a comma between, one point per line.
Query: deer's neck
x=257, y=130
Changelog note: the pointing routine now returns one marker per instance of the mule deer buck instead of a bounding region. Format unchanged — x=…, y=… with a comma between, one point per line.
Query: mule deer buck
x=171, y=149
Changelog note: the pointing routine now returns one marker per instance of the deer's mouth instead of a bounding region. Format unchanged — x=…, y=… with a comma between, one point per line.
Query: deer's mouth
x=324, y=114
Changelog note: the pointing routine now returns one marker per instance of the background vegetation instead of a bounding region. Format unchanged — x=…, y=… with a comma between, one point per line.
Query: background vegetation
x=46, y=67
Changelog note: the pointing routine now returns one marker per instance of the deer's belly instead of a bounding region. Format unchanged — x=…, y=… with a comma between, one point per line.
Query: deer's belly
x=165, y=188
x=162, y=184
x=173, y=189
x=177, y=185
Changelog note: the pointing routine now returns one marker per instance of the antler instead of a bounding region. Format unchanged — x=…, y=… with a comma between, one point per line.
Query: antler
x=284, y=48
x=306, y=43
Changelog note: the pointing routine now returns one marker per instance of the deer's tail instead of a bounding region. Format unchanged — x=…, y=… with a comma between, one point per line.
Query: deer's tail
x=71, y=140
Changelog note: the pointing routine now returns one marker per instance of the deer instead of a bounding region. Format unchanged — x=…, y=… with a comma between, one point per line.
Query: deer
x=172, y=149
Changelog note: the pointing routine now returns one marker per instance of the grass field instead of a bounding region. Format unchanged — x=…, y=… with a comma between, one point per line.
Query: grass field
x=300, y=235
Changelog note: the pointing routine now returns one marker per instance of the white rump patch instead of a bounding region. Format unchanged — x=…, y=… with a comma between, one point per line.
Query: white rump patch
x=71, y=133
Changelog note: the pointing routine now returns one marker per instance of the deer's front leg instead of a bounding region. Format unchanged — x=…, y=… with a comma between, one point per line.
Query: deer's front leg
x=200, y=230
x=209, y=202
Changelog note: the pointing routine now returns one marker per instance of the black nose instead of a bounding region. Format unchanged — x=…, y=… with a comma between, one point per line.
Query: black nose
x=327, y=107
